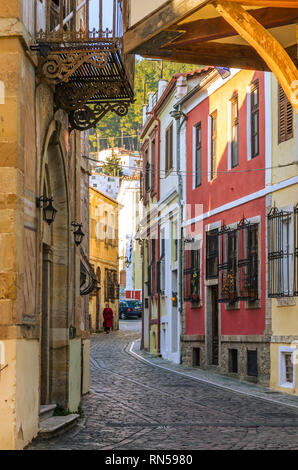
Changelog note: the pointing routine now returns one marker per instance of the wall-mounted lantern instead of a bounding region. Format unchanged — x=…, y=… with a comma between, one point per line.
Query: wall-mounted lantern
x=78, y=234
x=49, y=211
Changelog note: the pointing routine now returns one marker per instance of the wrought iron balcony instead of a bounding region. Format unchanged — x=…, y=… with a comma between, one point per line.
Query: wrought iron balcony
x=80, y=48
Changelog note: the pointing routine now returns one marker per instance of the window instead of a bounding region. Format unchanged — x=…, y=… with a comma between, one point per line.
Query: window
x=233, y=361
x=111, y=286
x=239, y=263
x=196, y=357
x=285, y=117
x=174, y=241
x=192, y=275
x=145, y=173
x=282, y=256
x=198, y=156
x=147, y=178
x=153, y=167
x=235, y=132
x=161, y=263
x=212, y=254
x=248, y=264
x=213, y=143
x=152, y=270
x=252, y=363
x=254, y=111
x=228, y=266
x=286, y=367
x=169, y=149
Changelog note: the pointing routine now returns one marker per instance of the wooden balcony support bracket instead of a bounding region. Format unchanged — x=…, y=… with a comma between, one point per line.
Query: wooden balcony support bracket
x=271, y=51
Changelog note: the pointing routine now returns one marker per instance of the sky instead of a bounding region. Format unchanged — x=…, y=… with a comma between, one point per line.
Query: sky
x=107, y=13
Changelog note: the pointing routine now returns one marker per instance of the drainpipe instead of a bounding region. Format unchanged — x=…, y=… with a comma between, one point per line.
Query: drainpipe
x=158, y=244
x=180, y=118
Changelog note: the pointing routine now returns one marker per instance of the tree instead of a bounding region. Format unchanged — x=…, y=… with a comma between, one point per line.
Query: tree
x=113, y=165
x=147, y=74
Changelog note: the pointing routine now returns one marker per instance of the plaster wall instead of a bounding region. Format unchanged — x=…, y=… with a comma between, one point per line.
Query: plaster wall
x=86, y=366
x=74, y=375
x=138, y=10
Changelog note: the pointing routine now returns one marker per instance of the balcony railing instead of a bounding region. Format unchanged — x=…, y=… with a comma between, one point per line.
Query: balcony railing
x=72, y=21
x=81, y=53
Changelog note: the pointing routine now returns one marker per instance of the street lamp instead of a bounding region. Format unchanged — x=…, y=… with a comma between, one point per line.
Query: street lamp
x=78, y=234
x=49, y=211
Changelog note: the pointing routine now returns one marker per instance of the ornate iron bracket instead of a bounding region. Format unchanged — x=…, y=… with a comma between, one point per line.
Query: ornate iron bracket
x=86, y=118
x=71, y=97
x=59, y=65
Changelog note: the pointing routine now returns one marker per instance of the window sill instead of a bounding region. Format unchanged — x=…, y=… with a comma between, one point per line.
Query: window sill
x=235, y=306
x=287, y=385
x=287, y=302
x=195, y=305
x=168, y=172
x=253, y=305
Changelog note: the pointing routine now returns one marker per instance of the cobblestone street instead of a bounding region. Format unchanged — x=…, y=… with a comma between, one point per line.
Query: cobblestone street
x=135, y=406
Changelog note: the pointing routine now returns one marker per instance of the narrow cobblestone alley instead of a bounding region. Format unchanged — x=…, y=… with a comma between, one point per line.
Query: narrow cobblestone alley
x=135, y=406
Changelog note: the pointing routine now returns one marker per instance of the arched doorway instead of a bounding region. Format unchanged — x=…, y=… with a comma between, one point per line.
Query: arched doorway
x=54, y=241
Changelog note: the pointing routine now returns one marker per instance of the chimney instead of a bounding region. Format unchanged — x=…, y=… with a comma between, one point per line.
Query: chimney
x=144, y=113
x=162, y=85
x=181, y=87
x=150, y=107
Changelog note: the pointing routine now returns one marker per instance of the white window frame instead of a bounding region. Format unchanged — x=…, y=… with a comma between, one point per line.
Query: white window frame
x=282, y=367
x=248, y=122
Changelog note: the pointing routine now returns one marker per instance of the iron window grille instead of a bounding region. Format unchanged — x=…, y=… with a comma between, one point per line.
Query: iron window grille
x=228, y=266
x=212, y=254
x=281, y=258
x=192, y=276
x=247, y=261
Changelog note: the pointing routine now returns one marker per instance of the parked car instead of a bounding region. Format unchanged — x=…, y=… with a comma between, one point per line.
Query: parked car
x=130, y=308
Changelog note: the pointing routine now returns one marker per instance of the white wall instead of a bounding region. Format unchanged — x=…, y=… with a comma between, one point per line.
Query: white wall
x=140, y=9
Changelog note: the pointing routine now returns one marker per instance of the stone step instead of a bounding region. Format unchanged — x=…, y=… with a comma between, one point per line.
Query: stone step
x=52, y=427
x=46, y=411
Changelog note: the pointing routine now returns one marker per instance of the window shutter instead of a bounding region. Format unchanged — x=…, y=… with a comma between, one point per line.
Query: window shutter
x=167, y=151
x=285, y=117
x=171, y=148
x=289, y=113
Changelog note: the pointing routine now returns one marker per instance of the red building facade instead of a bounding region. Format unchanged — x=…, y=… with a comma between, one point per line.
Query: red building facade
x=226, y=322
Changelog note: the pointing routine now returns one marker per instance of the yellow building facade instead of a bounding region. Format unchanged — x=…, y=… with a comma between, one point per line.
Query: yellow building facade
x=282, y=243
x=104, y=257
x=43, y=327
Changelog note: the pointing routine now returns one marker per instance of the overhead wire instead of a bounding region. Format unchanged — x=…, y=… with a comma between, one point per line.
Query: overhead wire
x=193, y=173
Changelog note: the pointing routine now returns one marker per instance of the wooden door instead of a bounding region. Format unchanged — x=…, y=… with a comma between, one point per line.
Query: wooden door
x=215, y=336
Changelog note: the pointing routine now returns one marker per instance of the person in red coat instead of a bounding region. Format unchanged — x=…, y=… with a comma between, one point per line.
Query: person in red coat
x=108, y=318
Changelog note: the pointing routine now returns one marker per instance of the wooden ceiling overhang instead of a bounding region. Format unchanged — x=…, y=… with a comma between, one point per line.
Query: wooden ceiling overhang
x=246, y=34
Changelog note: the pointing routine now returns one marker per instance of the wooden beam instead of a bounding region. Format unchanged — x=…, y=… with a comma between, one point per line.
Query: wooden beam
x=268, y=3
x=263, y=42
x=216, y=28
x=217, y=54
x=167, y=15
